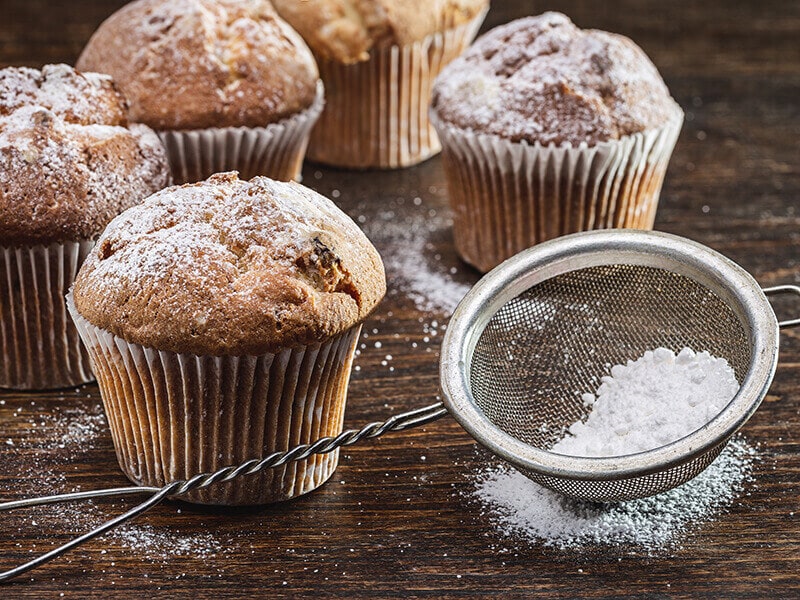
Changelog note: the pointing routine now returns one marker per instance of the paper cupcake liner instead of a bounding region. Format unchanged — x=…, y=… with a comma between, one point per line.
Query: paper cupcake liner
x=173, y=416
x=507, y=196
x=276, y=150
x=40, y=346
x=376, y=111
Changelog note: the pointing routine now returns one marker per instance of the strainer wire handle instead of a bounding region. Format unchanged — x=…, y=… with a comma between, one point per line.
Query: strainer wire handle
x=414, y=418
x=784, y=289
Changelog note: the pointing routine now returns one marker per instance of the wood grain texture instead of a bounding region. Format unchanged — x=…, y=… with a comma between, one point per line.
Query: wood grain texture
x=396, y=519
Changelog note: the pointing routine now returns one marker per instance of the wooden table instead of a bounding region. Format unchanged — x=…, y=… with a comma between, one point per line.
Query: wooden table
x=397, y=518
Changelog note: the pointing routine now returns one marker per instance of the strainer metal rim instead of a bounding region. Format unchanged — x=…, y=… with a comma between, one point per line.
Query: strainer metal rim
x=728, y=280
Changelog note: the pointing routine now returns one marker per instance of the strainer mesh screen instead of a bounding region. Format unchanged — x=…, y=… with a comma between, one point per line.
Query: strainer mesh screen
x=553, y=342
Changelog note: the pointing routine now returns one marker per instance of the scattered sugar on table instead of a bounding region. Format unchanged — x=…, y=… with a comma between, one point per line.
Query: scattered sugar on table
x=520, y=508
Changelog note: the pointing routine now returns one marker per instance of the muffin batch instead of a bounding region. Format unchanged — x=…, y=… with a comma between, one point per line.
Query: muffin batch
x=221, y=317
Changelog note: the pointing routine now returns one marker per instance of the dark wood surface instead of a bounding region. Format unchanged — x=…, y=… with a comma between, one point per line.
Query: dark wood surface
x=396, y=518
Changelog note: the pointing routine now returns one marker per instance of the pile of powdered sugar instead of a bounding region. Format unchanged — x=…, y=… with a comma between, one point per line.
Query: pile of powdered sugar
x=651, y=402
x=523, y=509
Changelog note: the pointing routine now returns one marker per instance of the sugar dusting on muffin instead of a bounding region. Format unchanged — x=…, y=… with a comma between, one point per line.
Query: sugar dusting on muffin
x=542, y=79
x=230, y=267
x=70, y=162
x=82, y=98
x=193, y=64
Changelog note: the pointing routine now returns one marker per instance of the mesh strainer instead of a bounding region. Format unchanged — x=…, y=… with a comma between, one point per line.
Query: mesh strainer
x=547, y=324
x=539, y=330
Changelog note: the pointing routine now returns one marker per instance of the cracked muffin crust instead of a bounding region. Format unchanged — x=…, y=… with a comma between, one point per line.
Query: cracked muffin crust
x=195, y=64
x=69, y=161
x=346, y=30
x=230, y=267
x=542, y=79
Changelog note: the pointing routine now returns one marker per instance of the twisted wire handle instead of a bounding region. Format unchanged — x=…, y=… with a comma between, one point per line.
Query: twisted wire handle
x=414, y=418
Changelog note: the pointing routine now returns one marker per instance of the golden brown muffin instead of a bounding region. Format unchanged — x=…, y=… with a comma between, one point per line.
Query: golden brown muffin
x=194, y=64
x=230, y=267
x=378, y=60
x=60, y=181
x=222, y=319
x=69, y=163
x=81, y=98
x=346, y=30
x=548, y=129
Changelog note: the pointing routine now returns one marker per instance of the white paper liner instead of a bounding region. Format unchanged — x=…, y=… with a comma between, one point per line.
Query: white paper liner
x=173, y=416
x=40, y=346
x=276, y=150
x=507, y=196
x=376, y=111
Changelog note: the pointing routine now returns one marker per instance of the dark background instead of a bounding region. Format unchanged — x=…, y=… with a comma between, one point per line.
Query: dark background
x=401, y=525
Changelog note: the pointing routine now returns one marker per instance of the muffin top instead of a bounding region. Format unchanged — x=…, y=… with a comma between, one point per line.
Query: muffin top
x=541, y=79
x=68, y=162
x=80, y=98
x=195, y=64
x=346, y=30
x=230, y=267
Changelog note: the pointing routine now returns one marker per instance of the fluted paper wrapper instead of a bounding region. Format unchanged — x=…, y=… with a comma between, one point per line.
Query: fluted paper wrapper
x=40, y=346
x=173, y=416
x=507, y=196
x=276, y=150
x=376, y=111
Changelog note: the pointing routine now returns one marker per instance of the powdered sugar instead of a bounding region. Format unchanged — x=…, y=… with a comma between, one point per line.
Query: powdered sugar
x=521, y=508
x=160, y=543
x=431, y=289
x=81, y=98
x=413, y=269
x=651, y=402
x=171, y=231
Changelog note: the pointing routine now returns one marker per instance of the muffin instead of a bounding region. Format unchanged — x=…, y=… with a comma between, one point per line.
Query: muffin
x=69, y=163
x=548, y=129
x=226, y=84
x=378, y=59
x=221, y=319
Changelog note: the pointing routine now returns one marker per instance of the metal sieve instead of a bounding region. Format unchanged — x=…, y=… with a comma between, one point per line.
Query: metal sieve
x=537, y=332
x=544, y=326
